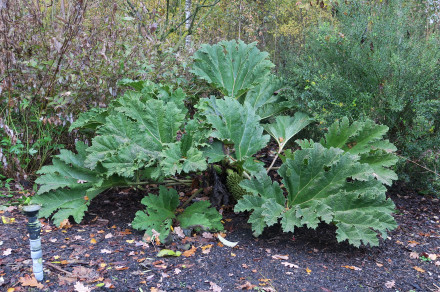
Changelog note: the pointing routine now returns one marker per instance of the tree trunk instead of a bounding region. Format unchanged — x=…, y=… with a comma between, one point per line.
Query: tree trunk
x=188, y=23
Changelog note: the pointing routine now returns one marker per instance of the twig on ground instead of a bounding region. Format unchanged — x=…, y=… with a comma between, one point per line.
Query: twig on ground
x=192, y=197
x=55, y=267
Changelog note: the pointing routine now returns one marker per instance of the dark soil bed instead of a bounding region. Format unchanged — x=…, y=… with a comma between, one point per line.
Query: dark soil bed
x=103, y=253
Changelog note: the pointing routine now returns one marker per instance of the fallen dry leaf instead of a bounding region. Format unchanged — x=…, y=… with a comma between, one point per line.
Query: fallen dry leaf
x=31, y=282
x=7, y=220
x=108, y=284
x=214, y=287
x=264, y=281
x=120, y=268
x=308, y=271
x=65, y=224
x=179, y=232
x=432, y=257
x=207, y=235
x=206, y=249
x=84, y=273
x=177, y=271
x=79, y=287
x=418, y=269
x=141, y=243
x=108, y=235
x=189, y=252
x=390, y=284
x=125, y=232
x=159, y=265
x=352, y=268
x=280, y=257
x=413, y=243
x=93, y=241
x=7, y=252
x=437, y=263
x=290, y=265
x=11, y=208
x=105, y=251
x=155, y=236
x=246, y=286
x=414, y=255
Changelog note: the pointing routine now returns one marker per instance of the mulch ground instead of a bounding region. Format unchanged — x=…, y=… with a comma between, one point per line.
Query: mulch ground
x=103, y=253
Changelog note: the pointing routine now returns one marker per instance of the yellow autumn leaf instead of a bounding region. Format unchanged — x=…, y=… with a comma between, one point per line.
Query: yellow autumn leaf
x=7, y=220
x=65, y=224
x=93, y=241
x=189, y=252
x=130, y=241
x=418, y=269
x=308, y=271
x=352, y=268
x=208, y=246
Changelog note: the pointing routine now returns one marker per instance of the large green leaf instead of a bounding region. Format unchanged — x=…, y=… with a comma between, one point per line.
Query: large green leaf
x=121, y=149
x=235, y=124
x=317, y=173
x=232, y=67
x=67, y=186
x=67, y=170
x=199, y=214
x=266, y=202
x=366, y=140
x=91, y=119
x=160, y=212
x=264, y=97
x=175, y=161
x=135, y=138
x=145, y=90
x=285, y=127
x=158, y=121
x=323, y=186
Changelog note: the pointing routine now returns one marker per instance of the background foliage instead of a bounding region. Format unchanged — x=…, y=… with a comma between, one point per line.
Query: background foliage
x=361, y=59
x=378, y=61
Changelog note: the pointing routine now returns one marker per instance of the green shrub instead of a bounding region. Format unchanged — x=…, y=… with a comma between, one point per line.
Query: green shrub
x=376, y=60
